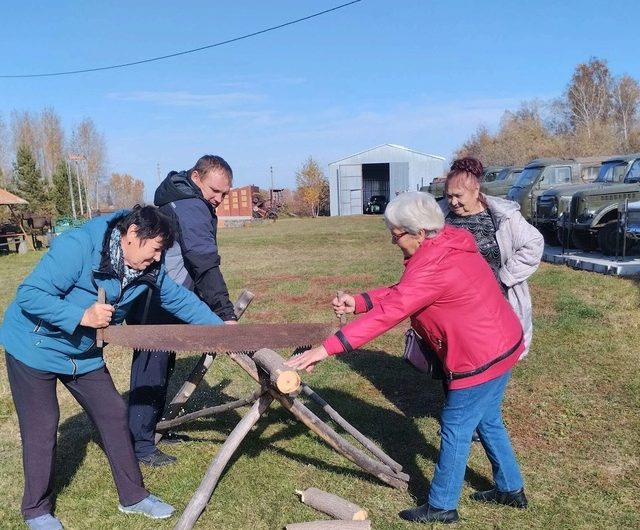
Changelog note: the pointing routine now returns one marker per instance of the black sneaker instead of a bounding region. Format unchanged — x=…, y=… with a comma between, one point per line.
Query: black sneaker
x=157, y=459
x=516, y=498
x=429, y=514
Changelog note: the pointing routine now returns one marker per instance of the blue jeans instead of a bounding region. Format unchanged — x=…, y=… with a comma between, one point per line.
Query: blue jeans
x=476, y=408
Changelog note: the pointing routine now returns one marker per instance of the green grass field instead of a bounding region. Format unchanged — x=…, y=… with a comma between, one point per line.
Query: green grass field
x=572, y=407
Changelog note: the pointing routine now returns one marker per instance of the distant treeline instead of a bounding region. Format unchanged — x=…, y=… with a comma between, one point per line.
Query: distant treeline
x=598, y=114
x=60, y=172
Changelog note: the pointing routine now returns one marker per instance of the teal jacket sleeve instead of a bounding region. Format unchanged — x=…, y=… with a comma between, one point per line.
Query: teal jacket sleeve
x=42, y=293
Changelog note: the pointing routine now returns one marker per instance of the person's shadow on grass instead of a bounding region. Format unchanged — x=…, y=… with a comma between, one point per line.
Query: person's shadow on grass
x=416, y=395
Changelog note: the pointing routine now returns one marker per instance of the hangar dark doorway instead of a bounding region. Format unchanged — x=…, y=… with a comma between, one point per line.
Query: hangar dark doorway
x=375, y=180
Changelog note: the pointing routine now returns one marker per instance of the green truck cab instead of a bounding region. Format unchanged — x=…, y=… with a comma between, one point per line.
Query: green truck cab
x=593, y=214
x=546, y=173
x=502, y=183
x=554, y=204
x=436, y=187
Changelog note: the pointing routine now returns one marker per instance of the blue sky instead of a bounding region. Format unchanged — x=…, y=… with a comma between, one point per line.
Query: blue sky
x=419, y=73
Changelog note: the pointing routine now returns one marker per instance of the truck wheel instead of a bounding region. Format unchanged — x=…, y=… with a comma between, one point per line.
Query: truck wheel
x=583, y=240
x=607, y=239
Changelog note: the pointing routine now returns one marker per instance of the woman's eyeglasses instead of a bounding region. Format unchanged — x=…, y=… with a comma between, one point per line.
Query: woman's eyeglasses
x=397, y=237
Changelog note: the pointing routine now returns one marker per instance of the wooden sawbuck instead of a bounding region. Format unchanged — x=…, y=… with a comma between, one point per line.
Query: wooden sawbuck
x=277, y=383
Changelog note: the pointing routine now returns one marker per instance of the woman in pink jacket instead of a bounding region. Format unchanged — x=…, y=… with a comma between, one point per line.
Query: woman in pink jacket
x=455, y=304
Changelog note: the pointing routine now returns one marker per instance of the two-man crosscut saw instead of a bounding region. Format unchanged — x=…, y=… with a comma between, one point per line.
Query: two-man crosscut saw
x=221, y=338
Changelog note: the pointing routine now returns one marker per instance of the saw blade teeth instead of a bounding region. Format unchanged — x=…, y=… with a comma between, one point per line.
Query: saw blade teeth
x=300, y=350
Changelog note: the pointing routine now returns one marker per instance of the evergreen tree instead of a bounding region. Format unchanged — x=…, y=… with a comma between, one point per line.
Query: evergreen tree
x=29, y=182
x=60, y=193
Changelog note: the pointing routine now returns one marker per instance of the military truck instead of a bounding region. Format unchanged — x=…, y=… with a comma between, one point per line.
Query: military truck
x=436, y=188
x=502, y=183
x=593, y=214
x=554, y=203
x=545, y=173
x=633, y=221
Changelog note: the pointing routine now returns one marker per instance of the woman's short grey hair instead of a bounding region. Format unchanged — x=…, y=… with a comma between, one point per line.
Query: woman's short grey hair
x=414, y=211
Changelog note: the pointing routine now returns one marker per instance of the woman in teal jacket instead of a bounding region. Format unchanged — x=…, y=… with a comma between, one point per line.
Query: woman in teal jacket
x=49, y=334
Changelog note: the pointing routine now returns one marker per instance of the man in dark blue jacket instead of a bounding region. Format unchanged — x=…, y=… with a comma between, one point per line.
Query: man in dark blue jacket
x=190, y=198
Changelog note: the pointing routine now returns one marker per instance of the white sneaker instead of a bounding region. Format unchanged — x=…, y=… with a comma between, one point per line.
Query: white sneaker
x=150, y=506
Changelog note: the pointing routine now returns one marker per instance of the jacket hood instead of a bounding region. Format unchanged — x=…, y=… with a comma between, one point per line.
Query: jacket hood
x=449, y=238
x=176, y=186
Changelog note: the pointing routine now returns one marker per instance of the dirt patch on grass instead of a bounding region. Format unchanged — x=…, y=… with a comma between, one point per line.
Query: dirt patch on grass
x=543, y=300
x=265, y=284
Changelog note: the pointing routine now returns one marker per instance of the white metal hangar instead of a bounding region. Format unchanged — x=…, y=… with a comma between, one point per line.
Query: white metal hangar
x=384, y=170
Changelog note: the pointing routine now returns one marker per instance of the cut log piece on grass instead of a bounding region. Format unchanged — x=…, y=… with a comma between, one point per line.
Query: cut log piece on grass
x=202, y=495
x=330, y=525
x=332, y=505
x=286, y=380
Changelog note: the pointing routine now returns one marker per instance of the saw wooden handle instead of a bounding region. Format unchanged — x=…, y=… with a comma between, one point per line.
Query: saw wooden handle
x=243, y=301
x=102, y=299
x=343, y=317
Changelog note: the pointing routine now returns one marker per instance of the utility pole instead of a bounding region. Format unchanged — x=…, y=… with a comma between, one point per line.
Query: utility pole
x=271, y=190
x=77, y=159
x=158, y=172
x=71, y=194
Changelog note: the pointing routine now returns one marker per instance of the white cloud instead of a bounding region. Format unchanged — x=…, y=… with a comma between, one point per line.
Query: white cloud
x=188, y=99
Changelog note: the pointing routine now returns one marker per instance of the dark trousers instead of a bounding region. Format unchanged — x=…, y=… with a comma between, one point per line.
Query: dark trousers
x=34, y=396
x=150, y=372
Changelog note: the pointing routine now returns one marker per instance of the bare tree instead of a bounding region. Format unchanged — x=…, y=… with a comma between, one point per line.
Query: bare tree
x=25, y=130
x=522, y=136
x=590, y=95
x=313, y=186
x=88, y=143
x=626, y=101
x=480, y=145
x=52, y=142
x=125, y=191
